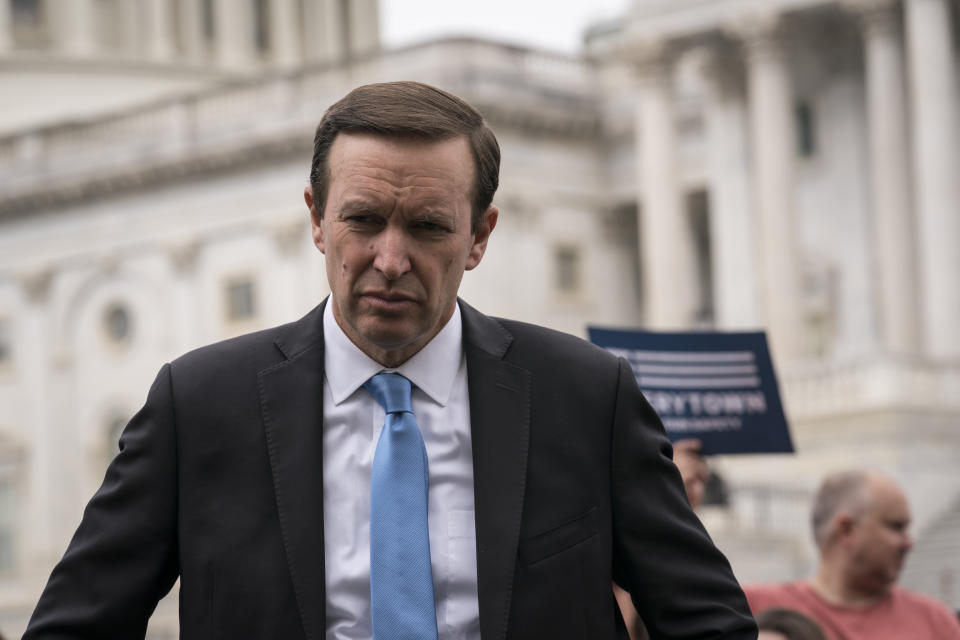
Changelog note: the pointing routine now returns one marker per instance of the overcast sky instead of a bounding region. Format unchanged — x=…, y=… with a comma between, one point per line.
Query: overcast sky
x=556, y=25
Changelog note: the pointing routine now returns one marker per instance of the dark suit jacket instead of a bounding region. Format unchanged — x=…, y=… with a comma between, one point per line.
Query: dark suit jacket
x=219, y=482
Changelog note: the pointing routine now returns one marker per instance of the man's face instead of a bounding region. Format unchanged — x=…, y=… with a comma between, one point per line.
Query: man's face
x=879, y=540
x=396, y=235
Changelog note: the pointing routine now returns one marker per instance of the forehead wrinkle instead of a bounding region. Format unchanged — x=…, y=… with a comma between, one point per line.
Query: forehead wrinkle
x=426, y=194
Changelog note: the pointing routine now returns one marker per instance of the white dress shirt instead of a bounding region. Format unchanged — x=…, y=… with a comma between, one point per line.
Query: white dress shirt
x=352, y=421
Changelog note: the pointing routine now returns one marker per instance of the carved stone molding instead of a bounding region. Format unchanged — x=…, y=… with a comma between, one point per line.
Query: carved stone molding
x=288, y=235
x=109, y=265
x=36, y=284
x=520, y=209
x=874, y=16
x=721, y=66
x=762, y=33
x=651, y=58
x=184, y=257
x=51, y=193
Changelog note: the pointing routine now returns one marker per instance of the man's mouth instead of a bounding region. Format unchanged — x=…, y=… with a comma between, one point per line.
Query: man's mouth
x=388, y=300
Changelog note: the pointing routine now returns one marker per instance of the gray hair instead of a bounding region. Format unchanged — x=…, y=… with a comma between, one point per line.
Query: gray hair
x=842, y=491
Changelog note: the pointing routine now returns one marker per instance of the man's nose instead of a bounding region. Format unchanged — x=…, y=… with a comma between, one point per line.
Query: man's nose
x=907, y=542
x=392, y=257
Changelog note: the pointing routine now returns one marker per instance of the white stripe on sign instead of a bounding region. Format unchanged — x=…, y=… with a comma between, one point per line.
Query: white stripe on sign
x=680, y=370
x=691, y=356
x=660, y=382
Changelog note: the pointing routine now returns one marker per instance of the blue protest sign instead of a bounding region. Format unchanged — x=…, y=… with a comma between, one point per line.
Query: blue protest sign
x=717, y=387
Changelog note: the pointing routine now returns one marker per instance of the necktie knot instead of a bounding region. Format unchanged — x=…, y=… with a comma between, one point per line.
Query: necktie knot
x=391, y=391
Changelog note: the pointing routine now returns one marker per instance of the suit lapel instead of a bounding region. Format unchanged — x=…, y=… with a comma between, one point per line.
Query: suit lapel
x=500, y=428
x=291, y=403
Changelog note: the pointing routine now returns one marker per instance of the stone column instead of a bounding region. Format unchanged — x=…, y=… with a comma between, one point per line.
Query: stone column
x=733, y=246
x=233, y=33
x=364, y=26
x=666, y=251
x=284, y=33
x=772, y=148
x=893, y=234
x=184, y=257
x=190, y=22
x=75, y=27
x=41, y=503
x=284, y=282
x=6, y=26
x=159, y=29
x=933, y=98
x=130, y=24
x=327, y=39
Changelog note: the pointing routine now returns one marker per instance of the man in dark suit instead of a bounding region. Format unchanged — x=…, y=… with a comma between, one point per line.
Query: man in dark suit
x=252, y=471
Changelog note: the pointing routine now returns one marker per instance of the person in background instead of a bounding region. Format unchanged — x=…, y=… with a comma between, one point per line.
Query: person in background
x=688, y=456
x=861, y=527
x=787, y=624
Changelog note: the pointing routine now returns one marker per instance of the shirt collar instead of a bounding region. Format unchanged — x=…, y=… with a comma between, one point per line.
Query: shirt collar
x=433, y=369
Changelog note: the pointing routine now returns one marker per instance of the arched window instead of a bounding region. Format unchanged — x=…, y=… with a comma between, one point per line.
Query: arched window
x=118, y=323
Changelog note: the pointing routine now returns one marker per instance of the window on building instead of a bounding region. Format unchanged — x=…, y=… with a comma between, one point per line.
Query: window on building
x=28, y=24
x=241, y=300
x=567, y=268
x=806, y=130
x=6, y=342
x=8, y=522
x=698, y=209
x=25, y=12
x=261, y=24
x=117, y=323
x=206, y=11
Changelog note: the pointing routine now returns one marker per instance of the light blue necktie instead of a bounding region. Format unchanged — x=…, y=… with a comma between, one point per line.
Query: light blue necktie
x=401, y=581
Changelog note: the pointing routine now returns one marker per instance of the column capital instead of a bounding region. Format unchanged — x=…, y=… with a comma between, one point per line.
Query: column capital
x=721, y=68
x=873, y=15
x=649, y=57
x=761, y=32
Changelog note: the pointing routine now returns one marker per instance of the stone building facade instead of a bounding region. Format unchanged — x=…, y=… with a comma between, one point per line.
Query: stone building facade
x=789, y=165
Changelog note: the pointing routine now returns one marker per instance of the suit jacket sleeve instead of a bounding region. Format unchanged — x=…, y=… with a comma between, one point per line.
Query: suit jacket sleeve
x=681, y=584
x=123, y=557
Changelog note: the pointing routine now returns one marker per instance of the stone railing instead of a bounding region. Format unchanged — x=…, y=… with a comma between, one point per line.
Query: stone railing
x=879, y=383
x=289, y=105
x=763, y=509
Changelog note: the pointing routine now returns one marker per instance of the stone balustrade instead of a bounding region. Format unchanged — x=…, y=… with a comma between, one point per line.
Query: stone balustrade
x=829, y=389
x=287, y=107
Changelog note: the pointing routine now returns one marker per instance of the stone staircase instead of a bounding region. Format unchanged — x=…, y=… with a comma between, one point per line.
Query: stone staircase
x=933, y=567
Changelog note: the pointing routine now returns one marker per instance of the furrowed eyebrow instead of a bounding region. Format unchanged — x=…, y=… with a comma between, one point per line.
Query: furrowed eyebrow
x=437, y=216
x=354, y=207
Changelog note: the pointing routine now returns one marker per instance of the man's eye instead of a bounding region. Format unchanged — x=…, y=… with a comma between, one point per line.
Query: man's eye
x=427, y=225
x=361, y=220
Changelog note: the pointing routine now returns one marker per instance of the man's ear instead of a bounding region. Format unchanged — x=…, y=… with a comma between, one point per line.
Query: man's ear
x=316, y=218
x=482, y=235
x=843, y=526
